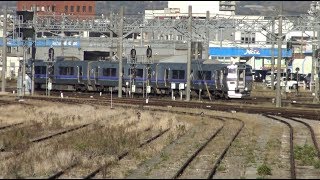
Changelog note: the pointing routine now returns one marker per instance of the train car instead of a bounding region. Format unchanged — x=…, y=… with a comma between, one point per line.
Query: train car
x=40, y=73
x=102, y=75
x=64, y=75
x=219, y=80
x=139, y=75
x=172, y=77
x=234, y=81
x=69, y=75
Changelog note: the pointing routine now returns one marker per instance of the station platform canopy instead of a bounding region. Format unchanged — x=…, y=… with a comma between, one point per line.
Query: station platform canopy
x=247, y=52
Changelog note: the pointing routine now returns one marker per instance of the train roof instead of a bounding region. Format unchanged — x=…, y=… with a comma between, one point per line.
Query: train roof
x=184, y=59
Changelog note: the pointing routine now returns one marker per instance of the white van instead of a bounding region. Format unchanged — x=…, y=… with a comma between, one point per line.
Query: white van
x=268, y=78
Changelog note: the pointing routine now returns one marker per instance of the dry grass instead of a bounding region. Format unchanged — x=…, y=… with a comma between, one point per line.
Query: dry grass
x=114, y=131
x=8, y=117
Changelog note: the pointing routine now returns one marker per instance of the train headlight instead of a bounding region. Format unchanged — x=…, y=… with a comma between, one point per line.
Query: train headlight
x=246, y=89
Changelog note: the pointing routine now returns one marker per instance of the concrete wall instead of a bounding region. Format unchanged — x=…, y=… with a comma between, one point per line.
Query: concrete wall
x=12, y=67
x=305, y=65
x=197, y=6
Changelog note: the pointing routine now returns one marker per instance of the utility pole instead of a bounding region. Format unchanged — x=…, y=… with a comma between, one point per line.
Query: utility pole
x=62, y=36
x=23, y=82
x=272, y=54
x=313, y=61
x=33, y=59
x=206, y=54
x=4, y=54
x=189, y=55
x=316, y=92
x=111, y=50
x=120, y=34
x=278, y=93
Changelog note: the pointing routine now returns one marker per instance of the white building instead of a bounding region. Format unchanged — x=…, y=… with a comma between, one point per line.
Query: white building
x=200, y=7
x=12, y=67
x=178, y=9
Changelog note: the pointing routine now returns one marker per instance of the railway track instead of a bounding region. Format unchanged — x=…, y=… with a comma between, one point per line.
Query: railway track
x=288, y=113
x=192, y=157
x=295, y=102
x=11, y=125
x=124, y=154
x=246, y=108
x=202, y=158
x=206, y=147
x=104, y=166
x=292, y=162
x=216, y=164
x=61, y=172
x=43, y=138
x=289, y=121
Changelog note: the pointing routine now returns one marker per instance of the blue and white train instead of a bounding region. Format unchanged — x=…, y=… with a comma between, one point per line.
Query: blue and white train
x=158, y=78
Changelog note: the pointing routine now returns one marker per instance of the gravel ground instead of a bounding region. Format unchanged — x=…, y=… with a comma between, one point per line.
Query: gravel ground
x=262, y=141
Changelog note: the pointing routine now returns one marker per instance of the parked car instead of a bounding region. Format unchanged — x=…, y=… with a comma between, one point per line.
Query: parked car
x=307, y=80
x=268, y=78
x=292, y=84
x=259, y=75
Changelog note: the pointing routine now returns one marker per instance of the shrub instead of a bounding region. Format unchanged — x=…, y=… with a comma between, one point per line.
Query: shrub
x=264, y=170
x=306, y=154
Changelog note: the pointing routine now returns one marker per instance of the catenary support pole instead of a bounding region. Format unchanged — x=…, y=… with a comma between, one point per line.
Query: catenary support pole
x=272, y=54
x=206, y=44
x=313, y=61
x=120, y=34
x=34, y=39
x=316, y=92
x=4, y=53
x=278, y=93
x=189, y=55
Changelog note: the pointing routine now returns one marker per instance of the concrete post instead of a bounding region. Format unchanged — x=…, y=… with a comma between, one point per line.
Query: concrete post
x=278, y=93
x=4, y=53
x=189, y=55
x=206, y=44
x=316, y=92
x=120, y=34
x=272, y=54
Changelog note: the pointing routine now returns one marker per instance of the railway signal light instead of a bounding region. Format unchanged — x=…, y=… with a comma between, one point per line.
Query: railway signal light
x=289, y=46
x=133, y=53
x=149, y=73
x=33, y=55
x=50, y=70
x=51, y=54
x=149, y=52
x=133, y=72
x=317, y=53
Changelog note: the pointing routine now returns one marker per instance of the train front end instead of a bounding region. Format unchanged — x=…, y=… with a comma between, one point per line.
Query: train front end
x=239, y=80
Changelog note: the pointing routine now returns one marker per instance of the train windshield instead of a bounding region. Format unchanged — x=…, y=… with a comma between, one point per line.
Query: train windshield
x=248, y=71
x=232, y=71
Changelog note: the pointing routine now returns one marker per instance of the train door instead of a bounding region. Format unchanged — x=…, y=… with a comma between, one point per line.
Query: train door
x=80, y=73
x=156, y=74
x=166, y=76
x=222, y=77
x=89, y=72
x=241, y=77
x=96, y=75
x=217, y=79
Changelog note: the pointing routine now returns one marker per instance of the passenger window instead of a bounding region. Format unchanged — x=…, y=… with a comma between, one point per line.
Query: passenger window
x=111, y=72
x=178, y=74
x=204, y=75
